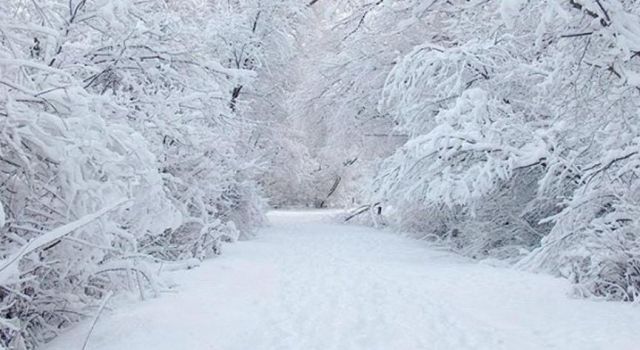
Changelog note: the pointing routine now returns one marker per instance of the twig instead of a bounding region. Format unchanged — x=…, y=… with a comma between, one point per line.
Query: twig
x=95, y=320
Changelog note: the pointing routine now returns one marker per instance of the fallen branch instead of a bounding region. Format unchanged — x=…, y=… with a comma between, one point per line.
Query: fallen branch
x=361, y=210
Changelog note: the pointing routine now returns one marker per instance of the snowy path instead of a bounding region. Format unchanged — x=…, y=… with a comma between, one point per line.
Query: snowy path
x=305, y=284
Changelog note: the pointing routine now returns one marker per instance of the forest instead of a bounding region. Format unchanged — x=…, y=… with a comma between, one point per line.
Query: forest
x=139, y=136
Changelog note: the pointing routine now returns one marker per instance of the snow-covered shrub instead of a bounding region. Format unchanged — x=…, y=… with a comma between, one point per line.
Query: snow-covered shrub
x=594, y=237
x=594, y=240
x=155, y=60
x=478, y=168
x=63, y=161
x=521, y=120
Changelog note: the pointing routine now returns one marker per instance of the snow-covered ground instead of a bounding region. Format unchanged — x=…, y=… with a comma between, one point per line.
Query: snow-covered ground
x=306, y=283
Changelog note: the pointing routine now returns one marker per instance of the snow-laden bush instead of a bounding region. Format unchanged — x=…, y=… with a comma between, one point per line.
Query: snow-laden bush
x=594, y=240
x=479, y=167
x=61, y=161
x=522, y=122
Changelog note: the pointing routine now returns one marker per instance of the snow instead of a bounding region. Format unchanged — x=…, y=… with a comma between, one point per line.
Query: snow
x=9, y=266
x=308, y=283
x=509, y=11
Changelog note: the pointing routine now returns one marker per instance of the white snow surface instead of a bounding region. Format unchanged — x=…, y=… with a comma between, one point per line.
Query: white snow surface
x=307, y=283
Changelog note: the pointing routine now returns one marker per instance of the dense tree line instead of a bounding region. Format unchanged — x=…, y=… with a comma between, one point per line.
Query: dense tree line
x=126, y=142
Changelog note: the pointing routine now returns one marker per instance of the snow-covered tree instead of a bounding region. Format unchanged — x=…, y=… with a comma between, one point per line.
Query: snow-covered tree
x=520, y=118
x=64, y=158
